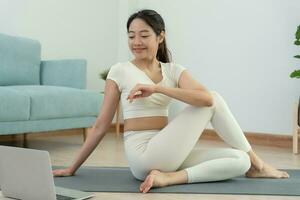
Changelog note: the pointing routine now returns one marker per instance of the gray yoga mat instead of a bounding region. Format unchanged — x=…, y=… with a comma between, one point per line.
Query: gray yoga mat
x=120, y=179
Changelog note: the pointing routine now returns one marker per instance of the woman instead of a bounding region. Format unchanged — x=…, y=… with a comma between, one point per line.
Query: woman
x=161, y=153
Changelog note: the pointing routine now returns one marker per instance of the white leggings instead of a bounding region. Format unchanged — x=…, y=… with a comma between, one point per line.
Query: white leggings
x=172, y=148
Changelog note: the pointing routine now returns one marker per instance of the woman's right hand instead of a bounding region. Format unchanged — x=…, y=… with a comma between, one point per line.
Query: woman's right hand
x=63, y=172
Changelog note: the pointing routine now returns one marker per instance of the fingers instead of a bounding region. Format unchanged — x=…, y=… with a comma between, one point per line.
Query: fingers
x=60, y=173
x=57, y=173
x=139, y=91
x=134, y=94
x=137, y=96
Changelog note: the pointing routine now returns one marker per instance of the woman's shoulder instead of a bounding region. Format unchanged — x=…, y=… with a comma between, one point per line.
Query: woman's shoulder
x=171, y=66
x=120, y=65
x=117, y=73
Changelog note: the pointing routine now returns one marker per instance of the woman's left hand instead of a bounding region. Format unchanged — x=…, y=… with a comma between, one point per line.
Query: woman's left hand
x=141, y=90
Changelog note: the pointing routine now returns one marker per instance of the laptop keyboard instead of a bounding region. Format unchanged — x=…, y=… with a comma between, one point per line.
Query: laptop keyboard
x=61, y=197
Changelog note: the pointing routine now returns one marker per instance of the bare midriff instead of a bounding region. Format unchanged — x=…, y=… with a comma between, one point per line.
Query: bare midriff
x=145, y=123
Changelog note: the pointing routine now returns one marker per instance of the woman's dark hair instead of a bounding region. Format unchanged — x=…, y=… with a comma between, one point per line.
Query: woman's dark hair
x=156, y=22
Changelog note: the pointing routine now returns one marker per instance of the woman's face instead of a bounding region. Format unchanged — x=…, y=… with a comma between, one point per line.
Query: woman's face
x=142, y=40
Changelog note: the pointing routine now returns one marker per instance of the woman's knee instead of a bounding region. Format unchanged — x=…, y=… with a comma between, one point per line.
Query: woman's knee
x=244, y=162
x=216, y=97
x=219, y=103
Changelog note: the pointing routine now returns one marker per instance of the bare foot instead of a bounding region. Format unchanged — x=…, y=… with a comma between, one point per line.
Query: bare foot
x=154, y=179
x=267, y=171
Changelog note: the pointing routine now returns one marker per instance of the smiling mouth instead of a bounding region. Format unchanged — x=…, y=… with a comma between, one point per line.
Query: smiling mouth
x=139, y=49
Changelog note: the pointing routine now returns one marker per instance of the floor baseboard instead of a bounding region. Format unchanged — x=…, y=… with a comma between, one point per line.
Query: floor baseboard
x=265, y=139
x=284, y=141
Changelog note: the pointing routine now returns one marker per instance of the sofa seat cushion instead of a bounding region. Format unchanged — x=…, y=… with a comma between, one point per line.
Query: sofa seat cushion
x=14, y=106
x=49, y=102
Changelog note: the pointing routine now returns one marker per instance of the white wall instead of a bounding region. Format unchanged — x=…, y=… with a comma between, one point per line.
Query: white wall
x=126, y=8
x=67, y=29
x=243, y=49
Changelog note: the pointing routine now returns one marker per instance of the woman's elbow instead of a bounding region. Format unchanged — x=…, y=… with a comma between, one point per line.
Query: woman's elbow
x=102, y=123
x=210, y=100
x=206, y=103
x=206, y=100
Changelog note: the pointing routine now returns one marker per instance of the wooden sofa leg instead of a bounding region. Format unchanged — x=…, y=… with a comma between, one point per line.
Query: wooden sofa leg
x=85, y=133
x=25, y=145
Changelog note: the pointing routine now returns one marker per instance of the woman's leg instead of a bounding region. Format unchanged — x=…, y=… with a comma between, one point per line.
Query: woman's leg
x=206, y=165
x=179, y=138
x=165, y=150
x=182, y=133
x=202, y=165
x=229, y=130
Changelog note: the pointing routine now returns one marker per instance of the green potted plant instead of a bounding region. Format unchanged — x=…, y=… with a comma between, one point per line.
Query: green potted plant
x=103, y=74
x=296, y=73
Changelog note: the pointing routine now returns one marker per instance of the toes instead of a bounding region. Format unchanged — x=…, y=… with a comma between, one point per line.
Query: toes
x=147, y=184
x=285, y=175
x=142, y=186
x=146, y=189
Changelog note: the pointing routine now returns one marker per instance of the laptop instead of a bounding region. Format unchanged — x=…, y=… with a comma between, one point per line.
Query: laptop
x=27, y=174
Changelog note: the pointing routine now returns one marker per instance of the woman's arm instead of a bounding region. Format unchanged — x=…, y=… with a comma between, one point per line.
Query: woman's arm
x=102, y=124
x=188, y=91
x=193, y=97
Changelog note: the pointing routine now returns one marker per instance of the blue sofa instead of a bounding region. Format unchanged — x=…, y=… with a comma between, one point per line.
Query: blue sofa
x=39, y=96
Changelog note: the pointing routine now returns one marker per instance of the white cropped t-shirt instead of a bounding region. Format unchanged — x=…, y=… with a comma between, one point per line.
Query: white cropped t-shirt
x=126, y=75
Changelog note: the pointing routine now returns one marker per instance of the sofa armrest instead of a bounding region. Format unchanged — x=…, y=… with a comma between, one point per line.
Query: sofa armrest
x=68, y=73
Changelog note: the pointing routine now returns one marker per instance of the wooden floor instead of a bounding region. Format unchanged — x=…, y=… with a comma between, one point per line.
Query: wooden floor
x=63, y=148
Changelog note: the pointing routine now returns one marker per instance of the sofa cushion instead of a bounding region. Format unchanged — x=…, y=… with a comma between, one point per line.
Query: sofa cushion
x=20, y=60
x=14, y=106
x=49, y=102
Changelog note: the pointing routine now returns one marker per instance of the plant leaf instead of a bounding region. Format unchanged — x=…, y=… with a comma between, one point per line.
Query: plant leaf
x=297, y=56
x=297, y=42
x=295, y=74
x=103, y=74
x=297, y=34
